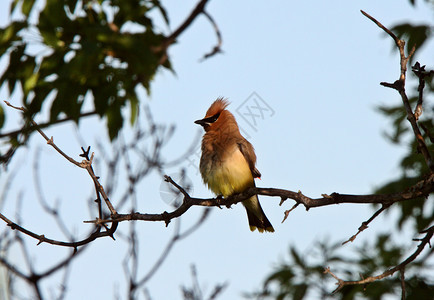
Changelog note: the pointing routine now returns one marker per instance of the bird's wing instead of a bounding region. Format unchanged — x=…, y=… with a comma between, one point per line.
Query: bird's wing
x=249, y=154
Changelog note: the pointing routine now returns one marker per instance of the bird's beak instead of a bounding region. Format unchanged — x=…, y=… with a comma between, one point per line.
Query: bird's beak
x=202, y=122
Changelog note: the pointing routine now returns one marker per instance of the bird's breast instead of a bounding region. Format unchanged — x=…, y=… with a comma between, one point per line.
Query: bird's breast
x=226, y=173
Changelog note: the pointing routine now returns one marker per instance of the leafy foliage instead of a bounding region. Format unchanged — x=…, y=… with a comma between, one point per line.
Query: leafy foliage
x=80, y=50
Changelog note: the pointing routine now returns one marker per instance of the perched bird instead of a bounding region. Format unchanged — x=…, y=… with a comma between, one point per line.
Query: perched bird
x=228, y=161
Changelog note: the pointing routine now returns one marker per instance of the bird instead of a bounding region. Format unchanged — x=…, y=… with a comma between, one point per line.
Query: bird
x=227, y=163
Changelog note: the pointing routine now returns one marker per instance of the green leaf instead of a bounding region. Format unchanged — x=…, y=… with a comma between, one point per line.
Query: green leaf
x=300, y=291
x=134, y=107
x=30, y=82
x=114, y=122
x=27, y=6
x=415, y=35
x=297, y=259
x=13, y=6
x=9, y=35
x=162, y=10
x=283, y=275
x=2, y=116
x=71, y=4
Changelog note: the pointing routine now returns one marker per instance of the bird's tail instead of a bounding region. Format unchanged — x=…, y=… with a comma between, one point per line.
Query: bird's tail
x=255, y=214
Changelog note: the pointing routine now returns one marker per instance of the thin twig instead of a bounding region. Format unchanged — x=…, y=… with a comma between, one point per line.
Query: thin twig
x=217, y=47
x=402, y=278
x=421, y=73
x=286, y=214
x=50, y=141
x=366, y=223
x=392, y=35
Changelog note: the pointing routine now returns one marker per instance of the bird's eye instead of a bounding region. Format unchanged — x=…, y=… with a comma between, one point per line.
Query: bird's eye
x=211, y=119
x=214, y=118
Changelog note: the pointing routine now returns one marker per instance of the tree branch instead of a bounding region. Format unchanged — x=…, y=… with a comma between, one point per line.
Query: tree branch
x=401, y=267
x=27, y=129
x=75, y=244
x=399, y=85
x=421, y=189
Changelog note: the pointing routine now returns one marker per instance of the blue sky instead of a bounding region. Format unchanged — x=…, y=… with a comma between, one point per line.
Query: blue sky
x=317, y=67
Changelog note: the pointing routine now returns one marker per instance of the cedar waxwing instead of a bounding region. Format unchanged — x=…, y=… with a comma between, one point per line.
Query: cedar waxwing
x=228, y=161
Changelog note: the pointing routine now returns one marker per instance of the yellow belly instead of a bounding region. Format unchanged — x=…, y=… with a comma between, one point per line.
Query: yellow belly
x=231, y=175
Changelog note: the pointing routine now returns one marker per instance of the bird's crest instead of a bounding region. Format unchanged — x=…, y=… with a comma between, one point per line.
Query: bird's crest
x=217, y=107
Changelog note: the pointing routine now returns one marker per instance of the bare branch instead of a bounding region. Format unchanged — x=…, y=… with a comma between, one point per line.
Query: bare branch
x=421, y=189
x=399, y=85
x=401, y=267
x=75, y=244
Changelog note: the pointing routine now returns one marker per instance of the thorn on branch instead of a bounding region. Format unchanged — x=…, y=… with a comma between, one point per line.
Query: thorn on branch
x=282, y=199
x=41, y=239
x=13, y=226
x=166, y=217
x=111, y=234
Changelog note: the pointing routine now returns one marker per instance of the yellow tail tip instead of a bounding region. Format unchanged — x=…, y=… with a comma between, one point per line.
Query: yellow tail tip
x=261, y=230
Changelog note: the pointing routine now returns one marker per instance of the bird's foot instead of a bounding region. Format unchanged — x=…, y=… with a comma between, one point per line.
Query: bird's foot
x=219, y=200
